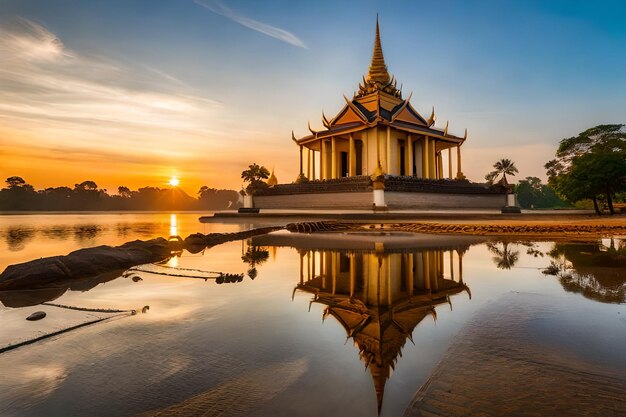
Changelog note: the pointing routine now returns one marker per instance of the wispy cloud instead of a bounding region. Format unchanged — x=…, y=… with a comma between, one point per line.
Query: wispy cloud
x=45, y=83
x=278, y=33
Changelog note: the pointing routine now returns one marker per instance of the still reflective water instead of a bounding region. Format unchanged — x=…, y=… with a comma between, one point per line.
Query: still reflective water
x=319, y=325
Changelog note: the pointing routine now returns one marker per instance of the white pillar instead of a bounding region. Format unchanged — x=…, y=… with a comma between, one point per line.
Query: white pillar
x=379, y=198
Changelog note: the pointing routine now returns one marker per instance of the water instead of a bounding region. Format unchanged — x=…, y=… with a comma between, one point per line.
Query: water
x=296, y=339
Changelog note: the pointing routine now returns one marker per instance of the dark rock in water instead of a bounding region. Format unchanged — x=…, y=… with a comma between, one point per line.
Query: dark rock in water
x=195, y=243
x=38, y=315
x=90, y=266
x=56, y=271
x=28, y=298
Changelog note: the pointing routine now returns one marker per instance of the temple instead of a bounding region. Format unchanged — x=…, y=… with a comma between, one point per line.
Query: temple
x=377, y=145
x=380, y=129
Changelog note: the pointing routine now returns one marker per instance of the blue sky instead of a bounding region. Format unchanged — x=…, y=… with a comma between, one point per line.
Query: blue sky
x=231, y=79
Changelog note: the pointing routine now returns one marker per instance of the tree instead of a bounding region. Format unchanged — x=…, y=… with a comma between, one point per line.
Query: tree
x=15, y=182
x=591, y=165
x=254, y=176
x=504, y=258
x=503, y=166
x=254, y=256
x=86, y=186
x=531, y=193
x=124, y=192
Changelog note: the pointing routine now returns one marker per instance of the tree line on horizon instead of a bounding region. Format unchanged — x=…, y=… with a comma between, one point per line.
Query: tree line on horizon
x=18, y=195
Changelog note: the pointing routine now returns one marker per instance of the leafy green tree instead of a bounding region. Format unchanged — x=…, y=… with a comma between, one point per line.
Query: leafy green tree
x=502, y=167
x=591, y=165
x=531, y=193
x=254, y=176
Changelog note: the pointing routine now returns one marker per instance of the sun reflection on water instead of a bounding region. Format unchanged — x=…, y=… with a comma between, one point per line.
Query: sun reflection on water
x=173, y=225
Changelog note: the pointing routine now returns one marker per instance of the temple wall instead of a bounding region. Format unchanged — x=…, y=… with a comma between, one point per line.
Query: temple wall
x=354, y=200
x=393, y=199
x=402, y=200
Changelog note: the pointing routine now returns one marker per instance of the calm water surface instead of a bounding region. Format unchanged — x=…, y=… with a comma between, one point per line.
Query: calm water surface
x=316, y=326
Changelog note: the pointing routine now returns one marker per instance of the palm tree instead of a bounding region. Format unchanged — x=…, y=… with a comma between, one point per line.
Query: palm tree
x=504, y=258
x=503, y=166
x=254, y=175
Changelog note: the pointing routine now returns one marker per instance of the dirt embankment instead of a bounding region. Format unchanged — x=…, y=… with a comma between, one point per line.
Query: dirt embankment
x=551, y=229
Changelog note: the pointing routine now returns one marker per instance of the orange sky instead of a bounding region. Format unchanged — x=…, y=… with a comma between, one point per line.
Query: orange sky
x=77, y=104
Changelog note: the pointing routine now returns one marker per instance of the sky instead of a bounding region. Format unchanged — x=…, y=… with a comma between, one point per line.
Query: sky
x=133, y=92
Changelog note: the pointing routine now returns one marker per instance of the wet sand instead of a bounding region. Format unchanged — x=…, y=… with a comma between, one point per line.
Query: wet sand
x=508, y=361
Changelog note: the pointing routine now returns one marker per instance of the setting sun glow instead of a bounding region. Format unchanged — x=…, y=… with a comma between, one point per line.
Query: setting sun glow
x=174, y=182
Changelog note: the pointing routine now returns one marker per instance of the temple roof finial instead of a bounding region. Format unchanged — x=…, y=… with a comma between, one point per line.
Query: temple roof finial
x=378, y=78
x=378, y=68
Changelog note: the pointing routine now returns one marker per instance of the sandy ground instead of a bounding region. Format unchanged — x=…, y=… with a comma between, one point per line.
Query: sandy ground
x=506, y=362
x=544, y=224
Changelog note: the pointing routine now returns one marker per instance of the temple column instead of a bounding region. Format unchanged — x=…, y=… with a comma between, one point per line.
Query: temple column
x=313, y=264
x=425, y=158
x=334, y=271
x=352, y=158
x=352, y=274
x=409, y=154
x=410, y=273
x=324, y=267
x=323, y=161
x=388, y=158
x=434, y=263
x=426, y=270
x=308, y=265
x=313, y=161
x=460, y=267
x=450, y=163
x=451, y=253
x=308, y=163
x=301, y=268
x=333, y=151
x=458, y=161
x=440, y=166
x=301, y=170
x=431, y=160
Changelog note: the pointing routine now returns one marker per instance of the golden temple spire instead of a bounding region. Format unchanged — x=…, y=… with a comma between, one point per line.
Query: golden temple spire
x=272, y=180
x=378, y=78
x=378, y=68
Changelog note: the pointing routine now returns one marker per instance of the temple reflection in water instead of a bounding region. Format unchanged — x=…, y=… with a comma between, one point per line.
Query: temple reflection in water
x=380, y=296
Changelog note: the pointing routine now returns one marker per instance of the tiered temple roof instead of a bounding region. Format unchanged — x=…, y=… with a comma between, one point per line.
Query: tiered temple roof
x=379, y=102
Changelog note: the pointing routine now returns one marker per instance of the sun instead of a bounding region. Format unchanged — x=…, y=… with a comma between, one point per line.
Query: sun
x=174, y=182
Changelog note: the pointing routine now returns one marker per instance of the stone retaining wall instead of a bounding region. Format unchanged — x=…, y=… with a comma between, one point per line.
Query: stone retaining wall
x=335, y=200
x=424, y=200
x=394, y=201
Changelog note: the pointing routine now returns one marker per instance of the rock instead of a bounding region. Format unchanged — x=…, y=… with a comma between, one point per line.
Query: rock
x=195, y=243
x=37, y=315
x=58, y=270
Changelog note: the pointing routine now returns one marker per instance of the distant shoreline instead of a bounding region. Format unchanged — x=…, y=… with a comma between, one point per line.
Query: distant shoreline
x=35, y=212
